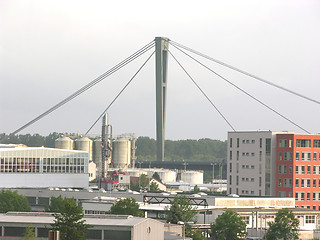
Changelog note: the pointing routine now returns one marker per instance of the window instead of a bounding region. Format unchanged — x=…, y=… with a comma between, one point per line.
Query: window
x=314, y=156
x=279, y=182
x=302, y=196
x=238, y=142
x=282, y=143
x=316, y=143
x=297, y=156
x=280, y=169
x=230, y=167
x=237, y=179
x=230, y=179
x=310, y=219
x=297, y=182
x=308, y=183
x=309, y=156
x=303, y=143
x=296, y=196
x=260, y=156
x=303, y=169
x=260, y=142
x=259, y=181
x=280, y=156
x=314, y=182
x=284, y=168
x=314, y=170
x=230, y=155
x=313, y=196
x=253, y=141
x=290, y=168
x=308, y=169
x=297, y=169
x=237, y=155
x=230, y=142
x=252, y=154
x=252, y=179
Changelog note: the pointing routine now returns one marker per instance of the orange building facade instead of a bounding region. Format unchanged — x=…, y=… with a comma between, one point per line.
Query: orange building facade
x=298, y=169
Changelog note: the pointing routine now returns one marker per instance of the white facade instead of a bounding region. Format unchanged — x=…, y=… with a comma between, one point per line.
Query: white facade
x=251, y=163
x=43, y=167
x=92, y=171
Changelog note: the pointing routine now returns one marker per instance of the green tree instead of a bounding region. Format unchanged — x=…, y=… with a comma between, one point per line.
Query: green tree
x=156, y=176
x=154, y=187
x=69, y=221
x=285, y=226
x=127, y=206
x=194, y=233
x=12, y=201
x=229, y=225
x=180, y=209
x=29, y=234
x=143, y=181
x=196, y=189
x=57, y=205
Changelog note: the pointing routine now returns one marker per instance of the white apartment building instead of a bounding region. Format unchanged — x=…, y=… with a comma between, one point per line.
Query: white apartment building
x=251, y=163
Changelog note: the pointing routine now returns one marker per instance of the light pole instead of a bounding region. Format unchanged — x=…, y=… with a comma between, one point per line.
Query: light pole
x=213, y=164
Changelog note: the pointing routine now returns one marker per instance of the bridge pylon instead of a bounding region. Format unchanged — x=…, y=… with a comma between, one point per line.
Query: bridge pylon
x=161, y=92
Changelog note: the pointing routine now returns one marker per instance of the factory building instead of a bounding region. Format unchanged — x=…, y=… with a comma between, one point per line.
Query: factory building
x=39, y=167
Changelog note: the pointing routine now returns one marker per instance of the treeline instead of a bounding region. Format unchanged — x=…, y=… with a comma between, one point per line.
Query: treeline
x=189, y=150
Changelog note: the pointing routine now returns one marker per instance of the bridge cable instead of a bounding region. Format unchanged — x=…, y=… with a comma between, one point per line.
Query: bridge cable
x=91, y=84
x=104, y=112
x=206, y=96
x=248, y=94
x=243, y=72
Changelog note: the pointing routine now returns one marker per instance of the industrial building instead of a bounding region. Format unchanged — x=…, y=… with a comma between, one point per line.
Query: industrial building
x=282, y=164
x=116, y=227
x=39, y=167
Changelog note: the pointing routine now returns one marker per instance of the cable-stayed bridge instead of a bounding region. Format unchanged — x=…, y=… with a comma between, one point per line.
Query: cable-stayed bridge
x=159, y=48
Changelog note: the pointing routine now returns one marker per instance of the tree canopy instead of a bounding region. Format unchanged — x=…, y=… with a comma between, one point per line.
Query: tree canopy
x=180, y=210
x=57, y=204
x=127, y=206
x=69, y=221
x=12, y=201
x=285, y=226
x=229, y=225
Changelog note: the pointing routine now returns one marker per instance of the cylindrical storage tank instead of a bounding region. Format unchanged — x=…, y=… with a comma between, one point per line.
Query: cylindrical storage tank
x=168, y=176
x=135, y=172
x=84, y=144
x=121, y=153
x=192, y=177
x=64, y=143
x=97, y=150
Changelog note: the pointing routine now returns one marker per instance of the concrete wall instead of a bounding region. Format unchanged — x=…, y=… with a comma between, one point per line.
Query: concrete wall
x=44, y=180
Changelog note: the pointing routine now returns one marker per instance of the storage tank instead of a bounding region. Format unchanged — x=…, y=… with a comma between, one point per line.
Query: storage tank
x=136, y=172
x=121, y=152
x=192, y=177
x=84, y=144
x=97, y=150
x=167, y=175
x=64, y=142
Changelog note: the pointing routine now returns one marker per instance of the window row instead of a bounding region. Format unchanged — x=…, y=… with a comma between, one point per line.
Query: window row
x=306, y=183
x=285, y=182
x=301, y=169
x=306, y=143
x=283, y=169
x=286, y=156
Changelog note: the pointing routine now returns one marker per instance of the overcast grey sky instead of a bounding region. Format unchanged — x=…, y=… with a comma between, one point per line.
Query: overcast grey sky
x=50, y=49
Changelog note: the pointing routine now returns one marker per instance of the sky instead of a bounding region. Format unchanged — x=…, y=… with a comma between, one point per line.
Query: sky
x=50, y=49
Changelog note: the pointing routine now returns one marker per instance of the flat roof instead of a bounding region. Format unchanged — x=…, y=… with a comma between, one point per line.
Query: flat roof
x=95, y=220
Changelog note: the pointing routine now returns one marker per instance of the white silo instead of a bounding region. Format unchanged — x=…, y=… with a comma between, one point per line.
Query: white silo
x=97, y=150
x=167, y=175
x=64, y=142
x=192, y=177
x=121, y=152
x=84, y=144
